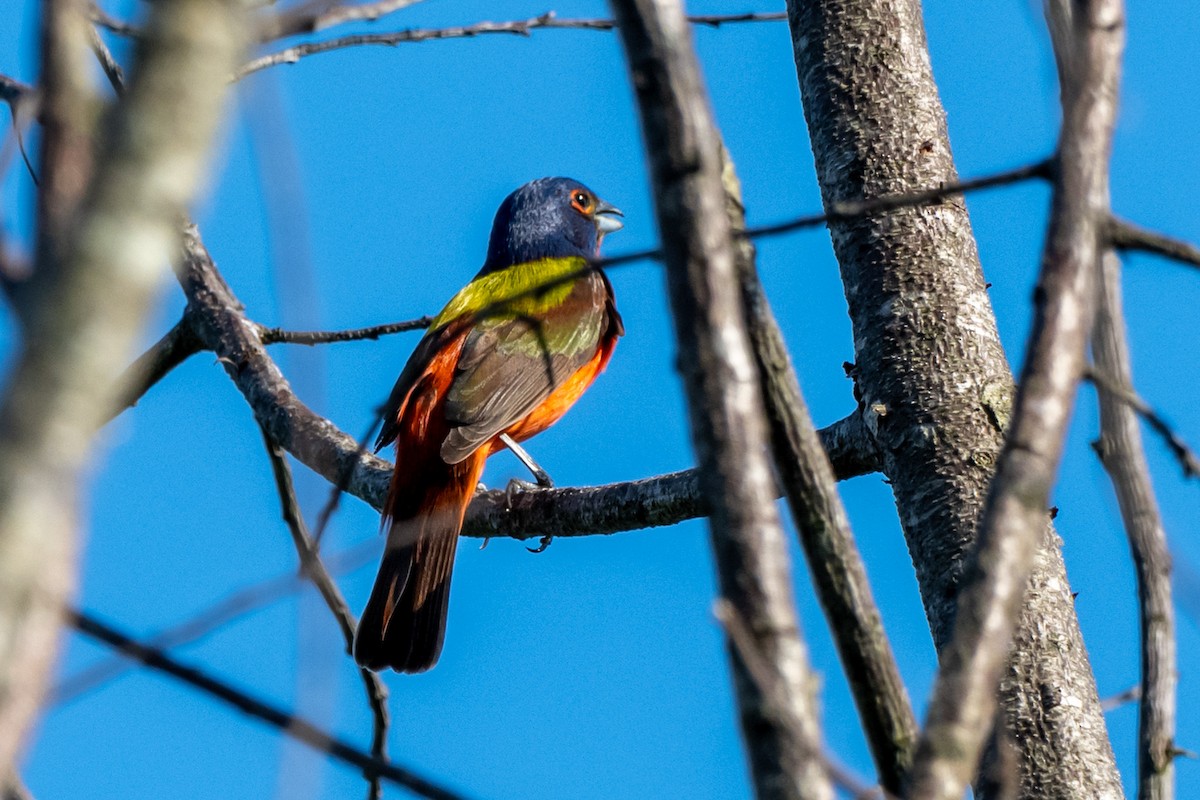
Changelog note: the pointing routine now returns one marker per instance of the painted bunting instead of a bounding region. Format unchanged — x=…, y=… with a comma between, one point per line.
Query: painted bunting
x=509, y=354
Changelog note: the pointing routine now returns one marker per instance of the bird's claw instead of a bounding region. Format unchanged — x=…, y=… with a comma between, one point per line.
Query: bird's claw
x=542, y=545
x=514, y=488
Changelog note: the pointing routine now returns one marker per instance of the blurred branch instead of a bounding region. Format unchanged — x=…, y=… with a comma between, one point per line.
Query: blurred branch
x=777, y=707
x=315, y=16
x=1189, y=462
x=15, y=789
x=106, y=227
x=299, y=729
x=962, y=709
x=175, y=347
x=12, y=90
x=742, y=641
x=1123, y=457
x=1124, y=235
x=839, y=575
x=1130, y=695
x=110, y=23
x=513, y=28
x=312, y=568
x=233, y=607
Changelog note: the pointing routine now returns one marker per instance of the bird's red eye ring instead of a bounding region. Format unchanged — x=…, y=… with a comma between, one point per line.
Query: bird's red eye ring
x=582, y=202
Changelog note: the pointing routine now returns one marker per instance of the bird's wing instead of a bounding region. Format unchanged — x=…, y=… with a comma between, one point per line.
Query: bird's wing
x=509, y=365
x=427, y=349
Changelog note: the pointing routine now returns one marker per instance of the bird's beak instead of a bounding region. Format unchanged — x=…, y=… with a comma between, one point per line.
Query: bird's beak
x=606, y=218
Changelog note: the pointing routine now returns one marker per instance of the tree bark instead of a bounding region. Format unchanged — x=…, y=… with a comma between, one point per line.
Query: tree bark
x=1121, y=451
x=929, y=365
x=773, y=683
x=106, y=233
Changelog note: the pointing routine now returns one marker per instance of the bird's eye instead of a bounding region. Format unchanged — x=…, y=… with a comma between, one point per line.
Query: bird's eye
x=582, y=202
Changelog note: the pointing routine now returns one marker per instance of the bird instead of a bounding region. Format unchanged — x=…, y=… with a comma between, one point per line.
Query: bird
x=509, y=354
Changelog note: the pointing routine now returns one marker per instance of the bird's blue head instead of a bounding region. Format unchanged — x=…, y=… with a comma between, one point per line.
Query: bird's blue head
x=549, y=218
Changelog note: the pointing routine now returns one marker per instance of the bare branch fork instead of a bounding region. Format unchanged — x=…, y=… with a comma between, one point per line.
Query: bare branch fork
x=1118, y=389
x=288, y=724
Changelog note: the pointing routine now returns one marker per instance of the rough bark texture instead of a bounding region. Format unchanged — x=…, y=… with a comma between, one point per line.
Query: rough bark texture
x=773, y=683
x=839, y=575
x=1120, y=449
x=930, y=369
x=85, y=304
x=963, y=702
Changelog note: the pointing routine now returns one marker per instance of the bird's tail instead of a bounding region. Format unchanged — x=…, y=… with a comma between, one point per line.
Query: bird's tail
x=404, y=623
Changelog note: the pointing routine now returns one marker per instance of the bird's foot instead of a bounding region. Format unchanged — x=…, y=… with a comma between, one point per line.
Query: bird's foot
x=517, y=486
x=542, y=545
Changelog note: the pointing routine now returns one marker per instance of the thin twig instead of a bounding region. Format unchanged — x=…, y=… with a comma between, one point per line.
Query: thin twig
x=513, y=28
x=110, y=23
x=228, y=609
x=843, y=211
x=1188, y=460
x=1122, y=454
x=175, y=347
x=1124, y=235
x=112, y=70
x=1130, y=695
x=312, y=568
x=278, y=335
x=300, y=729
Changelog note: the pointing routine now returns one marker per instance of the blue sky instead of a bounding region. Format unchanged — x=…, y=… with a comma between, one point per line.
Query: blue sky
x=357, y=188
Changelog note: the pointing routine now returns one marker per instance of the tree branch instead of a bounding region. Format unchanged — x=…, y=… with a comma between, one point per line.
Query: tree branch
x=175, y=347
x=1189, y=462
x=299, y=729
x=229, y=609
x=1121, y=452
x=313, y=569
x=930, y=369
x=312, y=17
x=778, y=709
x=512, y=28
x=318, y=443
x=94, y=281
x=310, y=338
x=1124, y=235
x=961, y=711
x=839, y=575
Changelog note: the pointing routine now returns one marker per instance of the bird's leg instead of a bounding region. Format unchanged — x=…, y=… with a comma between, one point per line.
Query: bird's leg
x=539, y=474
x=479, y=488
x=515, y=485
